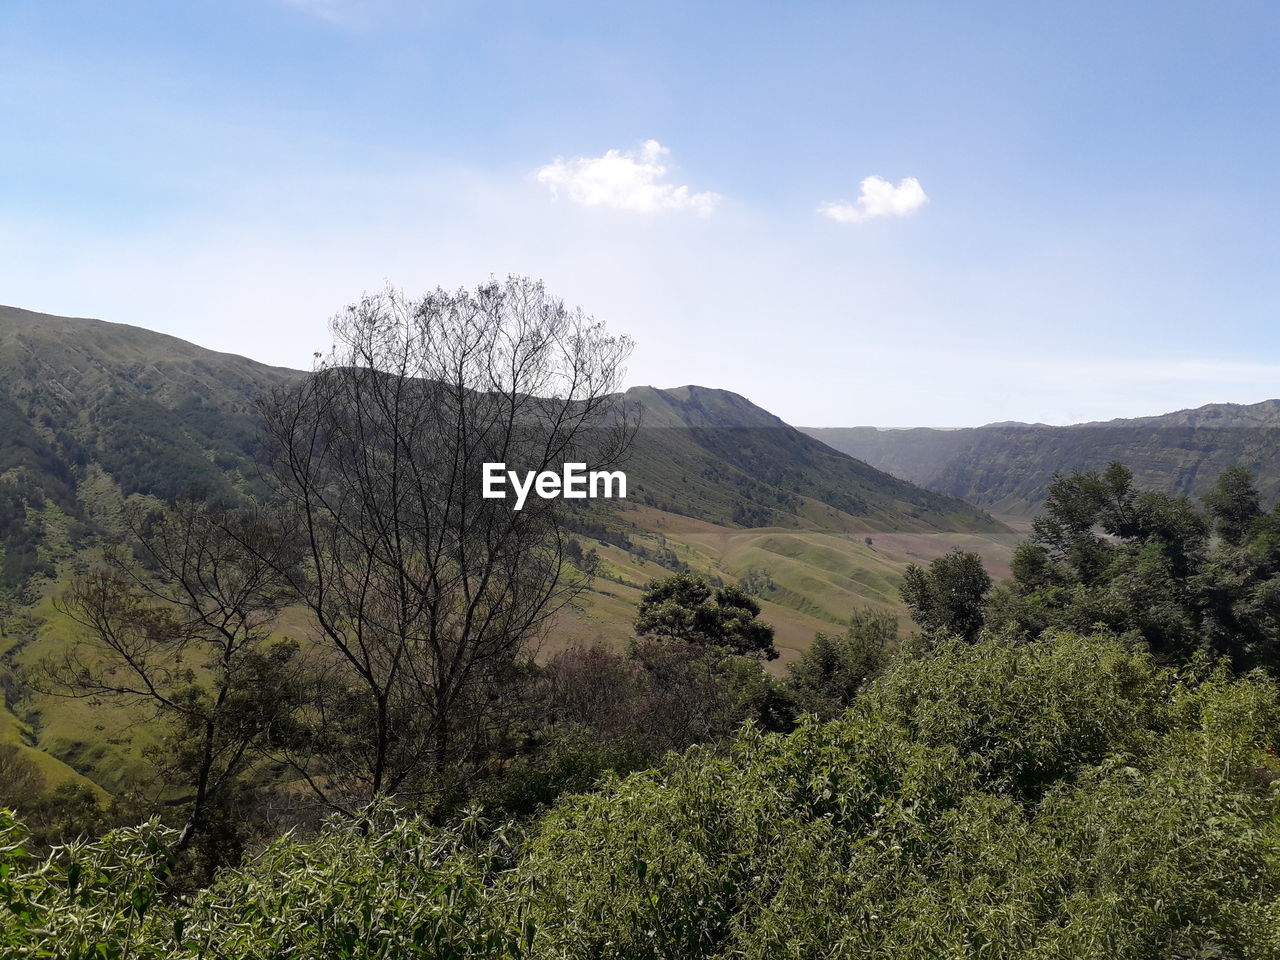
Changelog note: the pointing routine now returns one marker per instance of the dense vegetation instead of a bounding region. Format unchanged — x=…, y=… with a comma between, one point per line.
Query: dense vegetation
x=1182, y=577
x=1079, y=761
x=1068, y=797
x=21, y=533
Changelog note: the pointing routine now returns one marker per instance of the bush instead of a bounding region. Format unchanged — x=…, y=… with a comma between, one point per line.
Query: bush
x=86, y=901
x=828, y=676
x=1065, y=798
x=572, y=760
x=390, y=888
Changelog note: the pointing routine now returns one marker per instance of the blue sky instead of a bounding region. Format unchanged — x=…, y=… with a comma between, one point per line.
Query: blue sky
x=893, y=214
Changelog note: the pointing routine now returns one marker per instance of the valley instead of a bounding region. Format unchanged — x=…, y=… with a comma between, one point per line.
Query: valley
x=1007, y=467
x=93, y=413
x=814, y=524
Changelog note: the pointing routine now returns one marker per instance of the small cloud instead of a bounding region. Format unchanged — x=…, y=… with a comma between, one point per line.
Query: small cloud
x=624, y=181
x=878, y=198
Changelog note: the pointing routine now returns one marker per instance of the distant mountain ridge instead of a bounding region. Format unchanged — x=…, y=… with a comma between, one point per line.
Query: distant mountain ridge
x=1007, y=467
x=91, y=412
x=1265, y=413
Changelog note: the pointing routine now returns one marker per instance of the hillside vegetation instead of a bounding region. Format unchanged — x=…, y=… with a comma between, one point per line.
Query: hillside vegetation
x=713, y=455
x=95, y=413
x=368, y=715
x=1064, y=798
x=160, y=416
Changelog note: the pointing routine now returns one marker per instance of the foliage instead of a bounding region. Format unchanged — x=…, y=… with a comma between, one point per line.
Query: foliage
x=70, y=811
x=153, y=448
x=828, y=676
x=1068, y=797
x=86, y=901
x=21, y=532
x=1042, y=789
x=53, y=816
x=599, y=712
x=1107, y=553
x=685, y=607
x=390, y=888
x=401, y=889
x=570, y=758
x=947, y=597
x=1063, y=798
x=1235, y=506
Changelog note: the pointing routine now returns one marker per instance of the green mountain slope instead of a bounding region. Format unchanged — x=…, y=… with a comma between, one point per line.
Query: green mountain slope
x=158, y=414
x=1007, y=467
x=93, y=412
x=714, y=455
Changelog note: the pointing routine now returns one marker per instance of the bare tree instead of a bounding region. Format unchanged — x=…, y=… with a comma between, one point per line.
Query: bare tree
x=181, y=625
x=429, y=596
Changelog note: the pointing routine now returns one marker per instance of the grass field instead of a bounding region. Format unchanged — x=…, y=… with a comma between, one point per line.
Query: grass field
x=807, y=580
x=818, y=577
x=73, y=740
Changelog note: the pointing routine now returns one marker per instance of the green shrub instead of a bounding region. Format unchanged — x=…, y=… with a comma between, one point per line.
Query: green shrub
x=1065, y=798
x=828, y=676
x=86, y=901
x=393, y=888
x=401, y=889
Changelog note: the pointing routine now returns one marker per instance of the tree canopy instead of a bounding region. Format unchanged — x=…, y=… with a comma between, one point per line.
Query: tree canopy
x=1185, y=579
x=948, y=595
x=687, y=608
x=1067, y=797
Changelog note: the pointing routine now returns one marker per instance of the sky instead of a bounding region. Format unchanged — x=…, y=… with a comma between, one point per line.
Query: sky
x=905, y=214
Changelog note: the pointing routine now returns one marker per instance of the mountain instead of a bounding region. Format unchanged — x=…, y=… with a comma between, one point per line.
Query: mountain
x=714, y=455
x=93, y=411
x=1008, y=467
x=157, y=413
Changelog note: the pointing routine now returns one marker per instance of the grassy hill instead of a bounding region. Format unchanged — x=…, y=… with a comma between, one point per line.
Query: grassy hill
x=158, y=414
x=1007, y=467
x=806, y=579
x=714, y=455
x=93, y=412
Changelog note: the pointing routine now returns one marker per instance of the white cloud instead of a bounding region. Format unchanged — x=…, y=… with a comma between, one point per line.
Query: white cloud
x=251, y=264
x=878, y=198
x=624, y=181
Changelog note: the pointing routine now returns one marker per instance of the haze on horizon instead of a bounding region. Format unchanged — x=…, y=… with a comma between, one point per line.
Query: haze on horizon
x=850, y=214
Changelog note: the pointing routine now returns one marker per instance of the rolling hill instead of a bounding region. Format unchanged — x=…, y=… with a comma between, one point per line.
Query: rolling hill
x=85, y=399
x=1007, y=467
x=94, y=412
